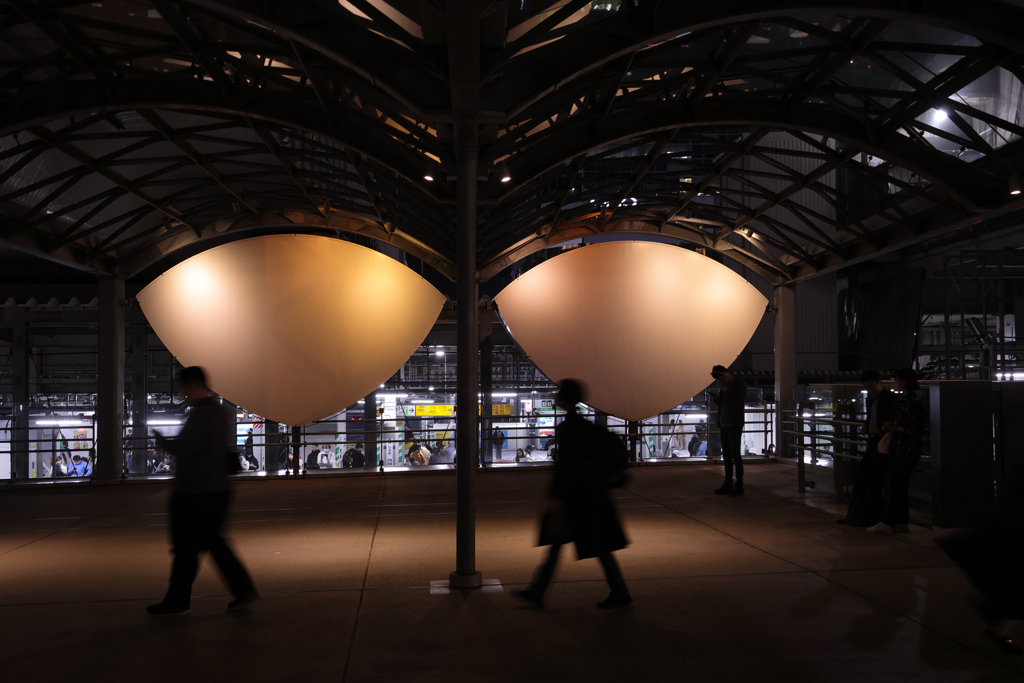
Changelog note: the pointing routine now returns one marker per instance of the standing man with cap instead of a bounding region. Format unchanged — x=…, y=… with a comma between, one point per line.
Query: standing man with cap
x=730, y=400
x=199, y=503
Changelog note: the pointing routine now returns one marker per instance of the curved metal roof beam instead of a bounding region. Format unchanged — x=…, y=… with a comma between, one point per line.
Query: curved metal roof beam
x=630, y=30
x=969, y=186
x=274, y=221
x=293, y=21
x=72, y=98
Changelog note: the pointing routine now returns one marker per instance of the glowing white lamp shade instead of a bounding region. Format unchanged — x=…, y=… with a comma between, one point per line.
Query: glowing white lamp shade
x=640, y=323
x=292, y=327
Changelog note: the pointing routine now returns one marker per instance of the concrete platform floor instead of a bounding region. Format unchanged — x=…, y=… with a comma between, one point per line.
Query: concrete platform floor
x=761, y=588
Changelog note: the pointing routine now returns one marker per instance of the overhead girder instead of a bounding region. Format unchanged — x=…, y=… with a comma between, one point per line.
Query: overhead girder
x=298, y=221
x=587, y=65
x=572, y=230
x=172, y=94
x=970, y=187
x=518, y=83
x=321, y=27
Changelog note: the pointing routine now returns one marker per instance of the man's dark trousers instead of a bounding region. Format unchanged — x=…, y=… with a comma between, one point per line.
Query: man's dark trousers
x=866, y=500
x=196, y=522
x=731, y=439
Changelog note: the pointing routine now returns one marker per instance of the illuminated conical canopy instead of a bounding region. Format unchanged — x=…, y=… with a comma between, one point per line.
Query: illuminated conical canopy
x=640, y=323
x=292, y=327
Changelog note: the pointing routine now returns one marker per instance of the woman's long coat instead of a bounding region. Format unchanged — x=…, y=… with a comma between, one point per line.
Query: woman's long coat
x=587, y=456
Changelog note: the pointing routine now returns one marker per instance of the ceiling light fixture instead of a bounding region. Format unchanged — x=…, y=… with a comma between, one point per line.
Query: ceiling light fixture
x=939, y=116
x=432, y=171
x=1015, y=184
x=504, y=174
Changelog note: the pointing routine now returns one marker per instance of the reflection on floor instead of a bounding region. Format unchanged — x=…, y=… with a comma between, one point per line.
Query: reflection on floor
x=760, y=588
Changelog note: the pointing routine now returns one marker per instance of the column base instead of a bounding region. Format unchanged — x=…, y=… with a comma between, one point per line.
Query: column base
x=474, y=580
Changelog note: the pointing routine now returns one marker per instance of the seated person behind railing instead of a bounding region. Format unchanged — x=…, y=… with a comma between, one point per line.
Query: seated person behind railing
x=353, y=457
x=286, y=459
x=441, y=454
x=312, y=461
x=520, y=455
x=251, y=461
x=165, y=466
x=418, y=455
x=80, y=467
x=325, y=460
x=60, y=468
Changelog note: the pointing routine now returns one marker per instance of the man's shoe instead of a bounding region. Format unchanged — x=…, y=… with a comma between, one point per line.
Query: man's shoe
x=1005, y=644
x=901, y=529
x=737, y=490
x=880, y=528
x=615, y=602
x=528, y=595
x=726, y=489
x=164, y=609
x=244, y=602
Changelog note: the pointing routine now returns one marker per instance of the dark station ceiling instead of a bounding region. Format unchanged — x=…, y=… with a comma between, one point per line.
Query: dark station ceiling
x=791, y=138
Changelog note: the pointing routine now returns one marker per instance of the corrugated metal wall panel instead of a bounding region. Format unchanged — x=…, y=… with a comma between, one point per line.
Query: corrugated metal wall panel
x=817, y=324
x=817, y=331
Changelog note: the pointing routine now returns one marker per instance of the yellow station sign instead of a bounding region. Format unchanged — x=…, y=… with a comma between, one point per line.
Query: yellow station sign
x=443, y=410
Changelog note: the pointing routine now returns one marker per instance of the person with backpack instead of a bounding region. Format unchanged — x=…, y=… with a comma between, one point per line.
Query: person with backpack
x=579, y=510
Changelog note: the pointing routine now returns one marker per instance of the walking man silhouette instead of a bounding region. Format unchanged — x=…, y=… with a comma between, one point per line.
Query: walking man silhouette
x=199, y=503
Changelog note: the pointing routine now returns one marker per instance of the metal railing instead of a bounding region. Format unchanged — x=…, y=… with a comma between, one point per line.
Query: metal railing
x=399, y=443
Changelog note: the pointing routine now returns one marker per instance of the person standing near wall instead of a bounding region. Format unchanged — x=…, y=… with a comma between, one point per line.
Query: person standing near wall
x=907, y=429
x=866, y=501
x=199, y=503
x=666, y=452
x=248, y=450
x=731, y=401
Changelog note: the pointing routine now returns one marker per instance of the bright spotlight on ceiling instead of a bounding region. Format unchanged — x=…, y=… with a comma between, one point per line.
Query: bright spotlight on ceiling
x=504, y=174
x=939, y=116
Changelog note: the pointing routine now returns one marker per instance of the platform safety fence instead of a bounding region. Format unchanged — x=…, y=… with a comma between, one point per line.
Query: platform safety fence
x=64, y=448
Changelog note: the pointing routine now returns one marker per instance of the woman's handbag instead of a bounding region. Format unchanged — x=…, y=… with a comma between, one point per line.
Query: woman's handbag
x=554, y=527
x=885, y=443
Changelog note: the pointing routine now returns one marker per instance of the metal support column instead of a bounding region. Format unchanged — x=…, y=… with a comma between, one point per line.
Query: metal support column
x=785, y=373
x=633, y=429
x=110, y=381
x=271, y=446
x=463, y=29
x=140, y=394
x=487, y=386
x=300, y=464
x=467, y=384
x=20, y=377
x=370, y=430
